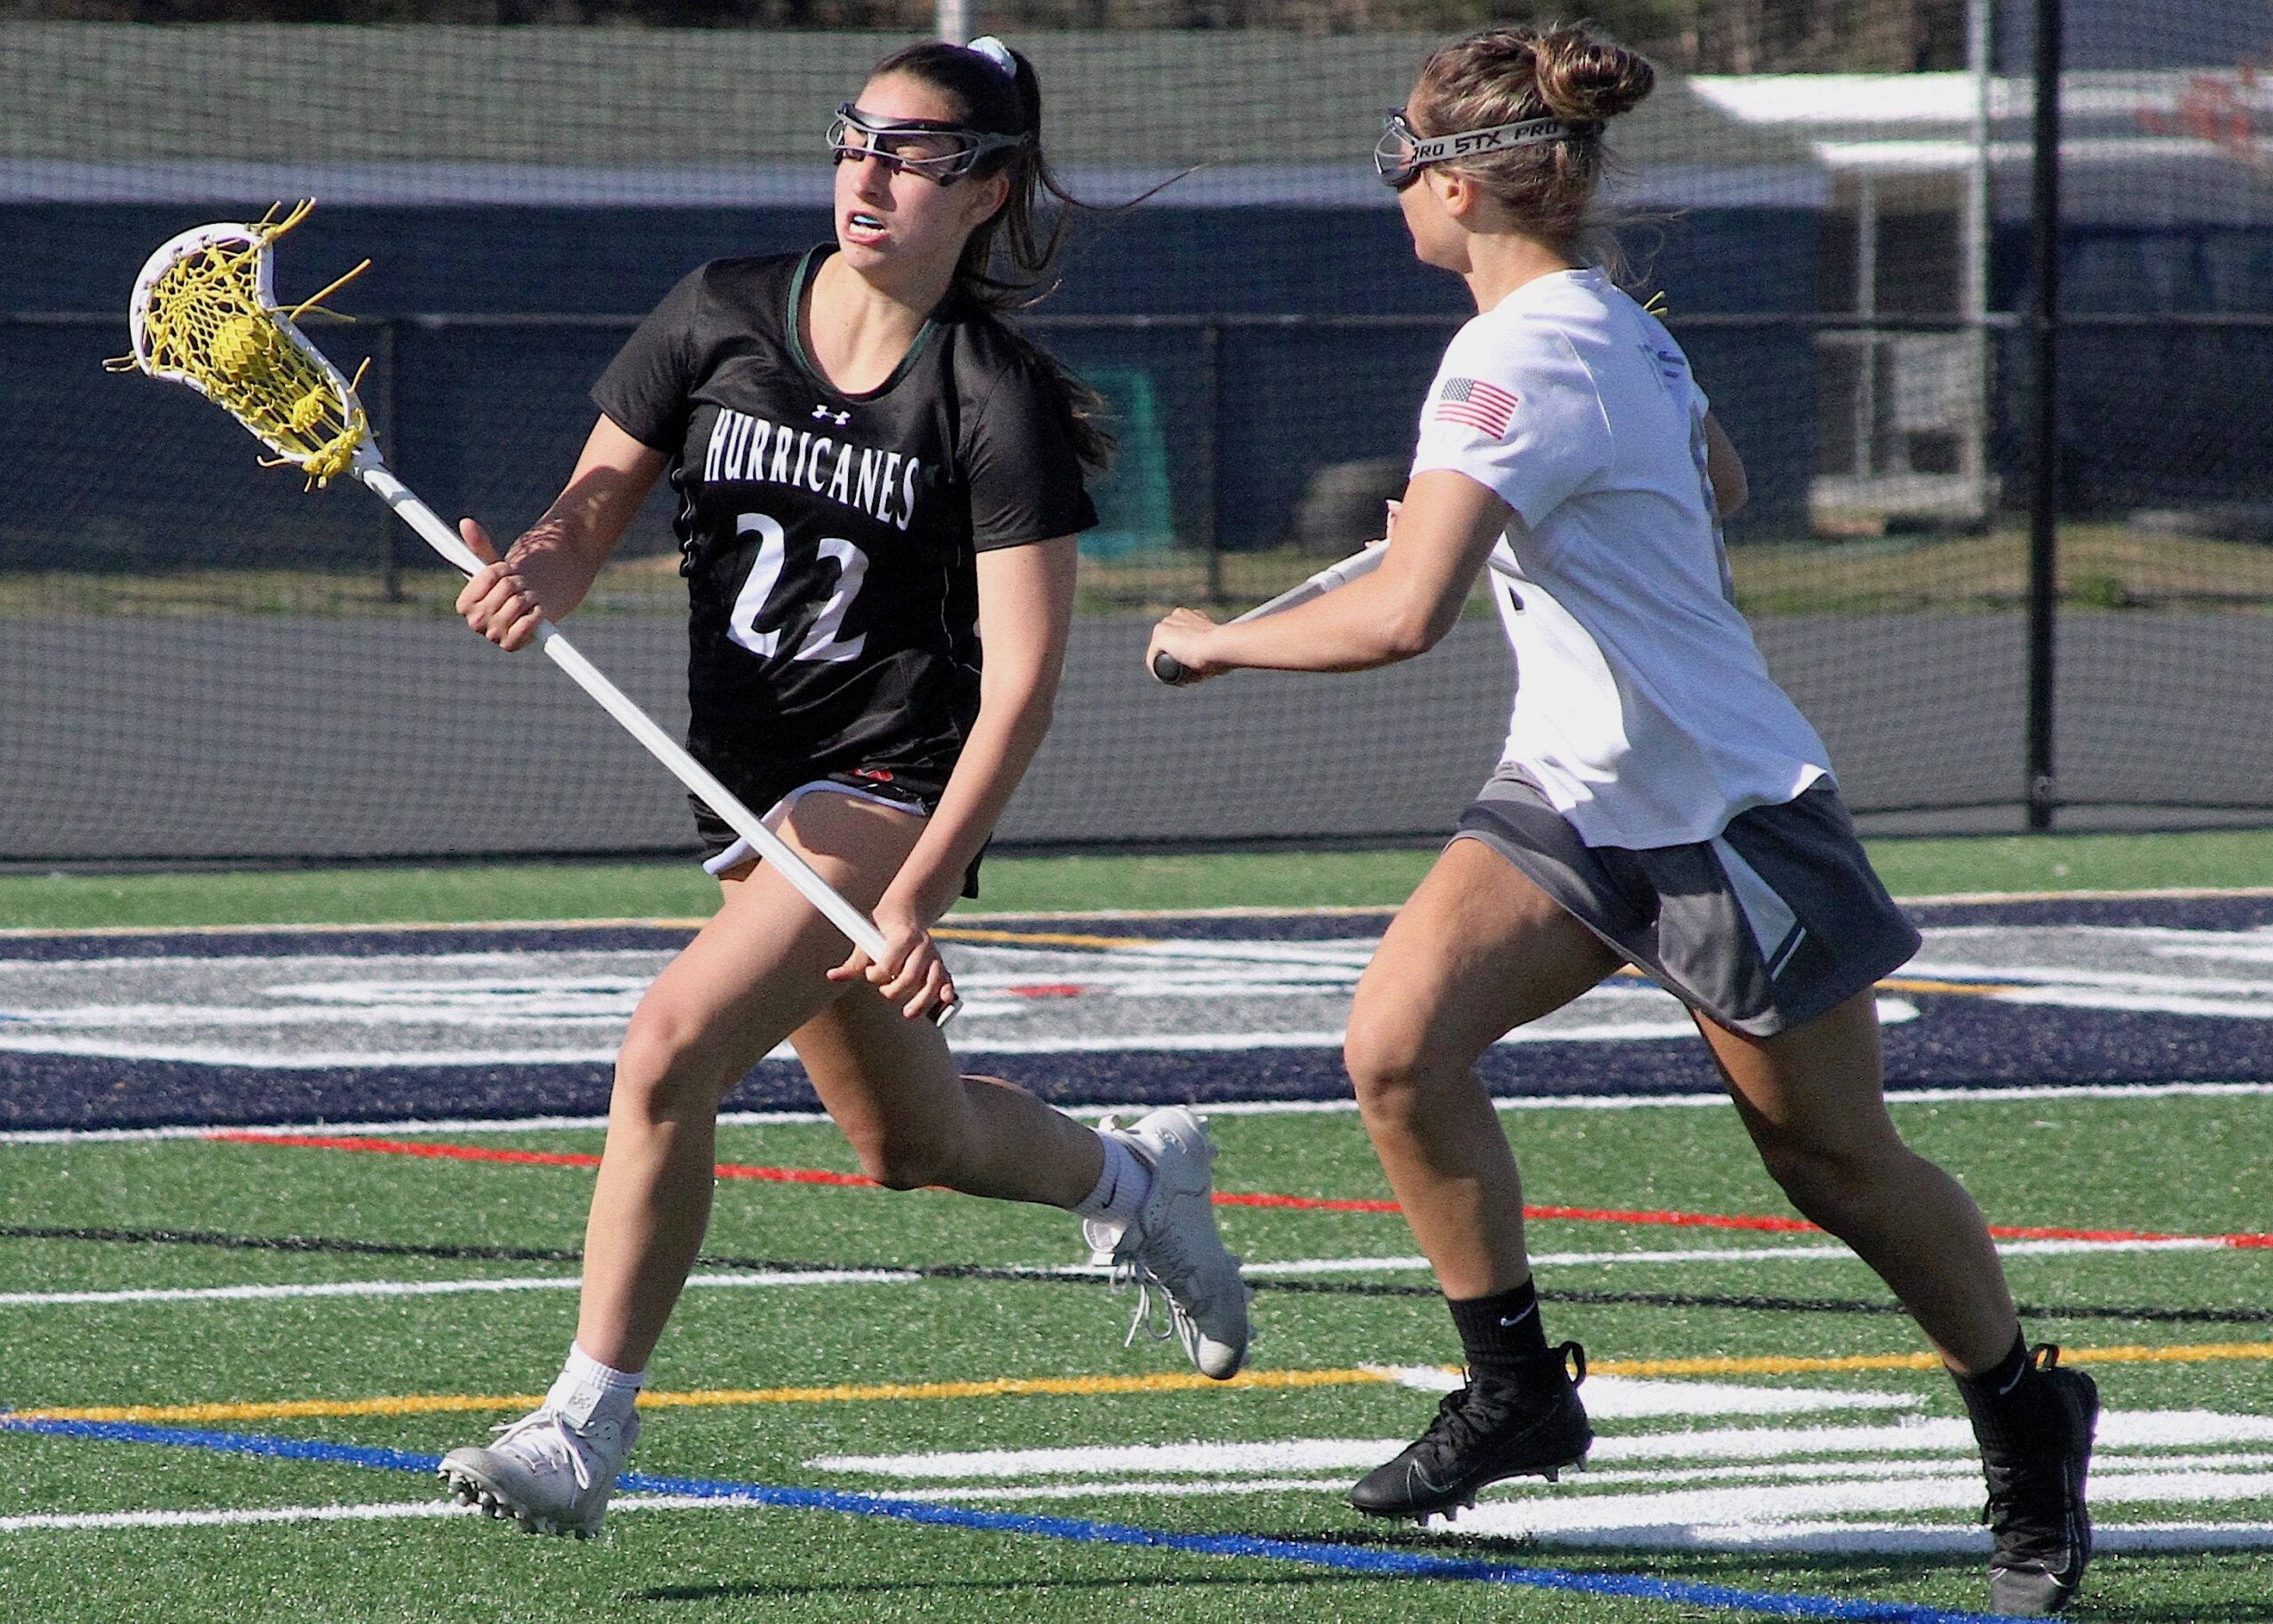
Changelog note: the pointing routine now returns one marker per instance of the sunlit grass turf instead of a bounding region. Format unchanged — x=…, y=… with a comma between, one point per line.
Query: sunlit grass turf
x=379, y=895
x=764, y=1566
x=2180, y=1163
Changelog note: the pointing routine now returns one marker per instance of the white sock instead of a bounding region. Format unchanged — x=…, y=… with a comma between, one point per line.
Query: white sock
x=1122, y=1184
x=585, y=1388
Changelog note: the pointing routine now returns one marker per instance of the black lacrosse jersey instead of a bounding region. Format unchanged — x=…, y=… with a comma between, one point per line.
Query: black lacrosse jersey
x=829, y=540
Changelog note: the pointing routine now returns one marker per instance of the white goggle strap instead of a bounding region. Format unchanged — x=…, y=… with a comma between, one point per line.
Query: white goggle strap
x=1423, y=149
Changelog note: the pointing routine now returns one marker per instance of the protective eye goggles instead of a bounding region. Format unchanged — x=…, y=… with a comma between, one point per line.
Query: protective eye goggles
x=940, y=152
x=1400, y=155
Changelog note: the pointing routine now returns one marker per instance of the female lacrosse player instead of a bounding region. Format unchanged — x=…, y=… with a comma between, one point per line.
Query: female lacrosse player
x=876, y=477
x=1660, y=801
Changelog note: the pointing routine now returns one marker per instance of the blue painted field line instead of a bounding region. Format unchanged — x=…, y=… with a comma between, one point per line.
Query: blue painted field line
x=1080, y=1529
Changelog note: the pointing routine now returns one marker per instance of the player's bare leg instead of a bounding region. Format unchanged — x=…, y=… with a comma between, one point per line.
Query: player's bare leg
x=1143, y=1191
x=756, y=973
x=892, y=1088
x=1812, y=1100
x=1478, y=951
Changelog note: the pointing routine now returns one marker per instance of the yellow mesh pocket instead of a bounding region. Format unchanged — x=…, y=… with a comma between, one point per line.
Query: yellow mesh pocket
x=204, y=319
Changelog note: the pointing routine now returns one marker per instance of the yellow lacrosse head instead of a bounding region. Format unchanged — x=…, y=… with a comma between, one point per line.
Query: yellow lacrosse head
x=204, y=314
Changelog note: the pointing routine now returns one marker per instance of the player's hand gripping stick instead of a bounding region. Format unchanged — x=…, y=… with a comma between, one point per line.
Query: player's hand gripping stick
x=1168, y=669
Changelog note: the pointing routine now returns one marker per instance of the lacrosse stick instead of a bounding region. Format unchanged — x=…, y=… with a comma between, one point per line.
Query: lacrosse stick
x=1168, y=668
x=205, y=314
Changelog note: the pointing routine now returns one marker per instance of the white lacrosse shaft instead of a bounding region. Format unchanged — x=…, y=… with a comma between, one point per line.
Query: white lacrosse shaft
x=859, y=929
x=1168, y=668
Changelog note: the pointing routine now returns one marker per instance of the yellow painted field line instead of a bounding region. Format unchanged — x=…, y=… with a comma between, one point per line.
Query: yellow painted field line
x=1040, y=939
x=425, y=1404
x=2206, y=1352
x=1969, y=989
x=1764, y=1364
x=421, y=1404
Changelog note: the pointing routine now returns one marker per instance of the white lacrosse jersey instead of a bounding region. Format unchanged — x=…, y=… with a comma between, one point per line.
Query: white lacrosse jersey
x=1642, y=707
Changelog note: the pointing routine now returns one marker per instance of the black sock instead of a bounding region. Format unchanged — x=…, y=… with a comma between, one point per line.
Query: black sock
x=2003, y=1402
x=1502, y=1334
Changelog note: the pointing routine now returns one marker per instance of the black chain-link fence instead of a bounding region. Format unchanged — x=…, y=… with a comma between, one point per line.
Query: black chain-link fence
x=201, y=661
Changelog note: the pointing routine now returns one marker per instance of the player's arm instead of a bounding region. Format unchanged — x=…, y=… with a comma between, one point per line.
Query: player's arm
x=1446, y=529
x=546, y=572
x=1724, y=469
x=1025, y=612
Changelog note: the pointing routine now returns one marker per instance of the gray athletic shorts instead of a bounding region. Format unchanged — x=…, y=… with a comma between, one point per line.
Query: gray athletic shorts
x=1765, y=926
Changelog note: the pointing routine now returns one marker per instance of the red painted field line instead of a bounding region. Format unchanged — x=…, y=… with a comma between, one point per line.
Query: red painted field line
x=1306, y=1203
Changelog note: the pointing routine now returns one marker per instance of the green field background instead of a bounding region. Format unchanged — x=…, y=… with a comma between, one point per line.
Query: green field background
x=1912, y=868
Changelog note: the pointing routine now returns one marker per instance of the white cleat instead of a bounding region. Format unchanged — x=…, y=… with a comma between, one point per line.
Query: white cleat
x=1174, y=1243
x=548, y=1475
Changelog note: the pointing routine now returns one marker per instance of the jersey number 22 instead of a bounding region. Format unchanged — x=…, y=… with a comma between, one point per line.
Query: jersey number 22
x=821, y=644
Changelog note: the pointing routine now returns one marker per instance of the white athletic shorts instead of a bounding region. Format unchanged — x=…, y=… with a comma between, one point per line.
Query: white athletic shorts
x=1771, y=923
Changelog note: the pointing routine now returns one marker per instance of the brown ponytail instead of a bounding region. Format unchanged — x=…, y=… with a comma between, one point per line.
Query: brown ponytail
x=1501, y=76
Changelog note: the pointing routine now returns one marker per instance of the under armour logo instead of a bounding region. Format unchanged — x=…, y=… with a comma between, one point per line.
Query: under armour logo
x=821, y=413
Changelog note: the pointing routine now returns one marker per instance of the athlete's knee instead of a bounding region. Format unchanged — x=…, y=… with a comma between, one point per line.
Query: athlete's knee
x=1838, y=1183
x=668, y=1064
x=1391, y=1066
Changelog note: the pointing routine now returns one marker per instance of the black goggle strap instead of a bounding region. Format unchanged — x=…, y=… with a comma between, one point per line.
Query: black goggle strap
x=1400, y=154
x=880, y=138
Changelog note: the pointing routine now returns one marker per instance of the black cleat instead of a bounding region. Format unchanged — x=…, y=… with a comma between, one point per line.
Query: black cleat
x=1482, y=1434
x=2041, y=1532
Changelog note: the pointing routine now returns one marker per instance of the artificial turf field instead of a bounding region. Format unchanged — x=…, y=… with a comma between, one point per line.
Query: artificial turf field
x=232, y=1356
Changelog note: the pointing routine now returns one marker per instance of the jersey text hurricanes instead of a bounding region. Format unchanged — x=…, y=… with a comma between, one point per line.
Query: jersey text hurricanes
x=881, y=484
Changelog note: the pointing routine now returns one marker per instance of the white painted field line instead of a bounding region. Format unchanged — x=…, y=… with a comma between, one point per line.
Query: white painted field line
x=993, y=917
x=1826, y=1538
x=1292, y=1268
x=435, y=1288
x=2121, y=1432
x=1174, y=1488
x=97, y=1522
x=1700, y=1516
x=389, y=1510
x=974, y=1045
x=1227, y=1108
x=300, y=1060
x=1557, y=1514
x=1723, y=1255
x=1651, y=1398
x=1968, y=1471
x=1756, y=1534
x=1874, y=1493
x=161, y=1017
x=1753, y=1534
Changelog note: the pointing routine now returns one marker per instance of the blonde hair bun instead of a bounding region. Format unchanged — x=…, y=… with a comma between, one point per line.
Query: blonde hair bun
x=1587, y=80
x=1509, y=74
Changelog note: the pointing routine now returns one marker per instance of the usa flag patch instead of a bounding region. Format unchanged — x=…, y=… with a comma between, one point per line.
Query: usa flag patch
x=1478, y=405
